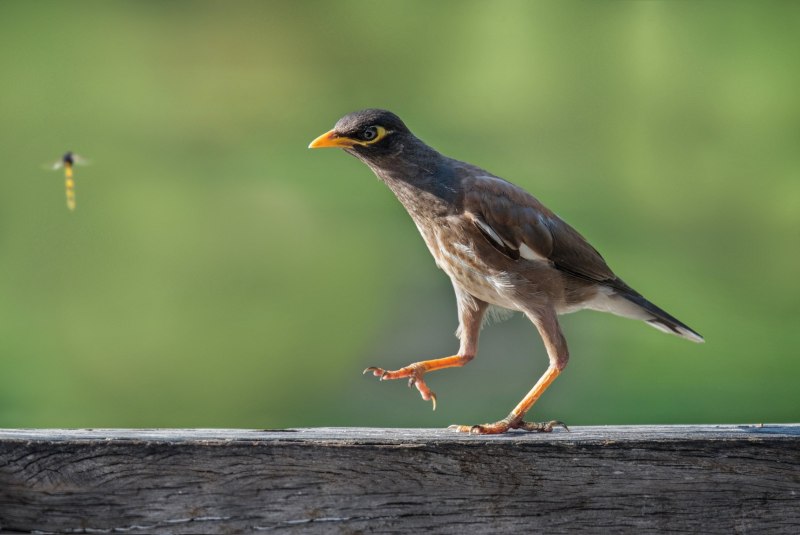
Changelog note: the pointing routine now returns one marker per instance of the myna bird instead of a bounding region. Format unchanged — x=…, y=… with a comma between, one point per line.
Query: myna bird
x=500, y=247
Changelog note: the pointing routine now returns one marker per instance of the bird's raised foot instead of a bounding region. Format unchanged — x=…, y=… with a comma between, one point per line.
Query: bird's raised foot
x=506, y=424
x=414, y=375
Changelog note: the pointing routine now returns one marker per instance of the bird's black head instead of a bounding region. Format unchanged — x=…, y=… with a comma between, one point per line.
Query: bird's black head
x=367, y=133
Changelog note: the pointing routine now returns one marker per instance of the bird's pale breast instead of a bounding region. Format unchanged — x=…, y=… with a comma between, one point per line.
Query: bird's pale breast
x=454, y=247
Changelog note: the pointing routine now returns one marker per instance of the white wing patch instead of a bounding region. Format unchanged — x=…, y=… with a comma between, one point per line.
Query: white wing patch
x=525, y=251
x=529, y=254
x=492, y=234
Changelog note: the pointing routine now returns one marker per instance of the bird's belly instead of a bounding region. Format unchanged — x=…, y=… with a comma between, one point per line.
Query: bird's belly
x=493, y=289
x=467, y=271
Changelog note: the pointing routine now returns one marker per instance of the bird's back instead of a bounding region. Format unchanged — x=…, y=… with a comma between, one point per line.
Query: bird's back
x=526, y=253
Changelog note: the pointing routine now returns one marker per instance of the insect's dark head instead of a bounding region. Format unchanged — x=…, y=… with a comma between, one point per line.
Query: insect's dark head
x=68, y=158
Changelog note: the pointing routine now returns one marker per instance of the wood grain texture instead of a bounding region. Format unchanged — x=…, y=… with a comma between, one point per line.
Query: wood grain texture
x=690, y=479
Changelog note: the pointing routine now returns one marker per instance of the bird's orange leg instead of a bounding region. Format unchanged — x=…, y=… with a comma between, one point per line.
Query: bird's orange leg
x=470, y=315
x=557, y=352
x=514, y=420
x=415, y=371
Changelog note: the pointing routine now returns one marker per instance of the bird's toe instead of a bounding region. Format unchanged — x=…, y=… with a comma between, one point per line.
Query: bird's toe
x=482, y=429
x=540, y=427
x=507, y=424
x=414, y=373
x=377, y=372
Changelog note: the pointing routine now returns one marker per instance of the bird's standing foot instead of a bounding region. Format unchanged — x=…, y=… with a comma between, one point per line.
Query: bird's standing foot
x=413, y=372
x=507, y=423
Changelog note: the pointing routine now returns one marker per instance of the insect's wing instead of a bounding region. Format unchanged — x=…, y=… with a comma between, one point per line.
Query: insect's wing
x=58, y=164
x=80, y=160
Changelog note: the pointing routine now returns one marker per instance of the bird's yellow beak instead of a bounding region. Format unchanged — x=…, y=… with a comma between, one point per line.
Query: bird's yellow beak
x=331, y=140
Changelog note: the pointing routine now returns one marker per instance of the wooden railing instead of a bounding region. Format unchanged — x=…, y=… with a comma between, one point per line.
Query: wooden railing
x=688, y=479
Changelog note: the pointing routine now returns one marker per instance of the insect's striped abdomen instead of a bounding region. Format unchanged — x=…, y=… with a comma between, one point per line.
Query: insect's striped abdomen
x=70, y=185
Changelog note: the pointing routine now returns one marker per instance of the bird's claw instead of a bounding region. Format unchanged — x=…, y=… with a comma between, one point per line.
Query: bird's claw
x=414, y=374
x=504, y=425
x=380, y=373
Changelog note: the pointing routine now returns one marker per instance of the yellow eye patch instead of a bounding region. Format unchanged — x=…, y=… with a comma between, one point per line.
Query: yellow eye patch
x=380, y=133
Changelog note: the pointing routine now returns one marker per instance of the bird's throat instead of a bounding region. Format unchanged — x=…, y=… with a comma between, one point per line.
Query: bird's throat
x=425, y=182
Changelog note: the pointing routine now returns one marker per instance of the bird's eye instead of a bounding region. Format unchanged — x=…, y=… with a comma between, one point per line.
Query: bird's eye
x=369, y=133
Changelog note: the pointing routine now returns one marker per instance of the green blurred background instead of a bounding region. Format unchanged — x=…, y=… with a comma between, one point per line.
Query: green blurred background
x=218, y=273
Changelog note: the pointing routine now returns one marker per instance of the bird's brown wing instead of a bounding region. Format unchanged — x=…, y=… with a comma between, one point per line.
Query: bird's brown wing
x=518, y=225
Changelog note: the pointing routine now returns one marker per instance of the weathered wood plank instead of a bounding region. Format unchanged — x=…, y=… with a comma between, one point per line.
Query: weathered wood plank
x=694, y=479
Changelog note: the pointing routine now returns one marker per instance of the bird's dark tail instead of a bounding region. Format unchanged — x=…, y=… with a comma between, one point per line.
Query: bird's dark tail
x=661, y=320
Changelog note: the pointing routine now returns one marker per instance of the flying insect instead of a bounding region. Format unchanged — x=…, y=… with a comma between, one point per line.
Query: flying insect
x=67, y=162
